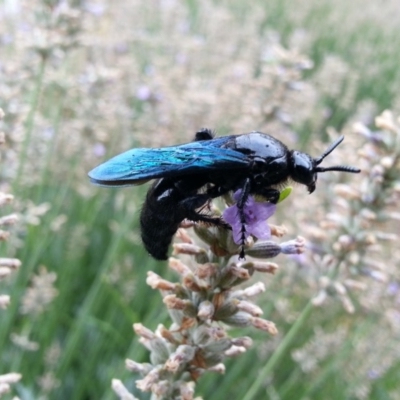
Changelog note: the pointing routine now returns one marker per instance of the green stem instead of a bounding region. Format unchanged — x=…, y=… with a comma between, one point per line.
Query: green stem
x=279, y=353
x=29, y=123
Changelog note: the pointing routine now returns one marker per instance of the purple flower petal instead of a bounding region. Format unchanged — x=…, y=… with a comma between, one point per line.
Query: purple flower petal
x=260, y=230
x=255, y=214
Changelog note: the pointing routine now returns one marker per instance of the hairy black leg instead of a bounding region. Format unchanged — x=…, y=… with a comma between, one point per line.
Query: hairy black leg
x=217, y=191
x=204, y=134
x=244, y=195
x=192, y=203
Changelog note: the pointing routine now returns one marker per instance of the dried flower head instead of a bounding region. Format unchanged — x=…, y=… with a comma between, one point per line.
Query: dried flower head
x=40, y=294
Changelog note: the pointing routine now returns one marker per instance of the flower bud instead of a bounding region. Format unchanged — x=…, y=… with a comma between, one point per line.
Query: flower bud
x=178, y=266
x=161, y=388
x=121, y=391
x=12, y=263
x=205, y=234
x=10, y=378
x=8, y=220
x=244, y=341
x=225, y=310
x=241, y=273
x=166, y=334
x=144, y=332
x=207, y=359
x=141, y=368
x=173, y=302
x=146, y=383
x=187, y=390
x=217, y=346
x=386, y=121
x=278, y=230
x=293, y=246
x=190, y=282
x=254, y=290
x=347, y=304
x=264, y=249
x=265, y=267
x=4, y=235
x=5, y=198
x=4, y=301
x=347, y=192
x=264, y=325
x=205, y=271
x=4, y=272
x=233, y=275
x=235, y=351
x=156, y=282
x=183, y=235
x=249, y=307
x=185, y=248
x=177, y=360
x=239, y=319
x=320, y=298
x=205, y=310
x=218, y=368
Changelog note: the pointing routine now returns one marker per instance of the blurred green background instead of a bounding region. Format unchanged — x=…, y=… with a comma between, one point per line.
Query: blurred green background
x=83, y=80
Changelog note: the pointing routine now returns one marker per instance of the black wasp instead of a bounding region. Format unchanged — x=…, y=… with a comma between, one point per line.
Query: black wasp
x=190, y=175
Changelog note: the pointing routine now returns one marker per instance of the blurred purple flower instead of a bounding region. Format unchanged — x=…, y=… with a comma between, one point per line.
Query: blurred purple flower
x=373, y=374
x=393, y=288
x=95, y=9
x=99, y=150
x=256, y=215
x=143, y=93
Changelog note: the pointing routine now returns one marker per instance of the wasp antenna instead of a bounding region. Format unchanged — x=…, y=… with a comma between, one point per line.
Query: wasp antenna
x=343, y=168
x=329, y=150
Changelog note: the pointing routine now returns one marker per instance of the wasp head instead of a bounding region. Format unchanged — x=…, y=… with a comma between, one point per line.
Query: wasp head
x=305, y=169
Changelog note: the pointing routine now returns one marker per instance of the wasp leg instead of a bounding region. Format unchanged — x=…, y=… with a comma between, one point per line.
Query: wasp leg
x=195, y=202
x=204, y=134
x=244, y=195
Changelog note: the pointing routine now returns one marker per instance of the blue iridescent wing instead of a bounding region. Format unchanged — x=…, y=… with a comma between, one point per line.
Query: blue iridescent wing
x=137, y=166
